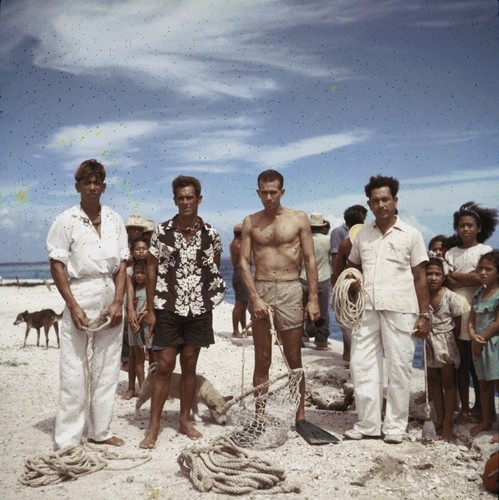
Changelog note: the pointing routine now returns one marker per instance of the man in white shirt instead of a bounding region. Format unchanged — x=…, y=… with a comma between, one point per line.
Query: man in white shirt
x=391, y=255
x=88, y=248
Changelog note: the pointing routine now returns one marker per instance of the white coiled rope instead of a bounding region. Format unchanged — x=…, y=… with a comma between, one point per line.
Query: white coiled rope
x=348, y=304
x=75, y=461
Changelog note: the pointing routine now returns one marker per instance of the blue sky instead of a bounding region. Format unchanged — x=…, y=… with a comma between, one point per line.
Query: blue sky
x=328, y=92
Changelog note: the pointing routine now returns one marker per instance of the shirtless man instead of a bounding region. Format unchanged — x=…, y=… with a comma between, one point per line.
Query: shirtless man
x=277, y=239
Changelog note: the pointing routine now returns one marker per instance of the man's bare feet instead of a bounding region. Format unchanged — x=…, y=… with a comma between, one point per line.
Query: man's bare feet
x=237, y=335
x=128, y=394
x=482, y=426
x=188, y=429
x=448, y=433
x=149, y=441
x=112, y=441
x=495, y=438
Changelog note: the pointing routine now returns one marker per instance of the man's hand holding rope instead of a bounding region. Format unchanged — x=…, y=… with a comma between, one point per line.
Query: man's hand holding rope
x=115, y=310
x=422, y=326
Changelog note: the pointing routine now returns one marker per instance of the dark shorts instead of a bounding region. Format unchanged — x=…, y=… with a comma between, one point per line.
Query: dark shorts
x=238, y=285
x=173, y=330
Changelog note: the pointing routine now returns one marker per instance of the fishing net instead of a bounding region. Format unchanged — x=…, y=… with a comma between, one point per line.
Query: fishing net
x=262, y=416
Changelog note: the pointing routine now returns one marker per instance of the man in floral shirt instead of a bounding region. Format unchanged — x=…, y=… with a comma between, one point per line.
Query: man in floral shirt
x=183, y=285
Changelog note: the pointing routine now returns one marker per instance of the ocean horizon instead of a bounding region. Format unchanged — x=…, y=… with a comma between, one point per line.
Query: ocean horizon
x=41, y=271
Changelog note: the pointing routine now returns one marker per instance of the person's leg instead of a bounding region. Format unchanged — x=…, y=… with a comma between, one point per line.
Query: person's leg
x=476, y=410
x=70, y=417
x=347, y=343
x=262, y=341
x=188, y=362
x=463, y=381
x=399, y=346
x=322, y=331
x=132, y=374
x=487, y=400
x=238, y=313
x=366, y=368
x=291, y=344
x=495, y=437
x=449, y=386
x=125, y=349
x=242, y=317
x=105, y=366
x=435, y=387
x=166, y=359
x=139, y=364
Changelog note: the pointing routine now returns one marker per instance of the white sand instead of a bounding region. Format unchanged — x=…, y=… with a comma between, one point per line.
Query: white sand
x=363, y=469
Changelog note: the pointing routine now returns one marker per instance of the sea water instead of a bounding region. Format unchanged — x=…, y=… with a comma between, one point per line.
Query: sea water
x=41, y=270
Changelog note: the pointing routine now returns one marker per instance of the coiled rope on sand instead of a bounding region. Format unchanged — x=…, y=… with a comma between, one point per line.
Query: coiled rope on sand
x=74, y=461
x=348, y=304
x=223, y=467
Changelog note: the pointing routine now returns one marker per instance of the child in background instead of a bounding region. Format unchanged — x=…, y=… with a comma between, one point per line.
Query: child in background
x=436, y=246
x=441, y=348
x=484, y=332
x=139, y=249
x=474, y=225
x=135, y=333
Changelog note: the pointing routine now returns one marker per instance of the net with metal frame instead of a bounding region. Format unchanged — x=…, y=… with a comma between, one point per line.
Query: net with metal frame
x=262, y=416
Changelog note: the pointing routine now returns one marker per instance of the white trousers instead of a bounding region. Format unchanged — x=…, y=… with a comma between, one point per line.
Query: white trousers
x=104, y=353
x=382, y=333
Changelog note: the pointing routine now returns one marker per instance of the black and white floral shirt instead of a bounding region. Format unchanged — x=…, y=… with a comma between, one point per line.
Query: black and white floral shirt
x=189, y=282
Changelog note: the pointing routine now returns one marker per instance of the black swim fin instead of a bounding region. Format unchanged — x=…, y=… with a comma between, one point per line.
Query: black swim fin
x=314, y=434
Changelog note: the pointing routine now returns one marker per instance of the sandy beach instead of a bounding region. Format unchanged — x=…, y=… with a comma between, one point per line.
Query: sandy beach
x=361, y=469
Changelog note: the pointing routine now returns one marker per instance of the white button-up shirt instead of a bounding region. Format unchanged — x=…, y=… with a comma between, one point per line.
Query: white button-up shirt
x=387, y=261
x=73, y=240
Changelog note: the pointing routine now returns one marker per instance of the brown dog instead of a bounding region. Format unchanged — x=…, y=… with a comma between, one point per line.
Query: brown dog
x=205, y=393
x=45, y=318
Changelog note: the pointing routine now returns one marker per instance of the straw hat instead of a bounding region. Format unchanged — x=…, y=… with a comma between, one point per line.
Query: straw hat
x=316, y=220
x=150, y=225
x=353, y=231
x=136, y=221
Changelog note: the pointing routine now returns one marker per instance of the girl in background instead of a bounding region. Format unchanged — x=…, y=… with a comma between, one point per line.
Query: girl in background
x=474, y=225
x=484, y=332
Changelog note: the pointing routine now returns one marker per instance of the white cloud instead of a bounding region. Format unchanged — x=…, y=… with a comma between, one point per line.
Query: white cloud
x=111, y=142
x=284, y=155
x=195, y=46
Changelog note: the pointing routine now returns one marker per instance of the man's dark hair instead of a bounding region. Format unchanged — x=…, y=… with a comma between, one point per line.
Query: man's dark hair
x=183, y=181
x=89, y=168
x=356, y=214
x=269, y=176
x=379, y=181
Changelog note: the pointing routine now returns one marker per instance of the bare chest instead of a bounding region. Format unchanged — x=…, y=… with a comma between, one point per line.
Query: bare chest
x=276, y=234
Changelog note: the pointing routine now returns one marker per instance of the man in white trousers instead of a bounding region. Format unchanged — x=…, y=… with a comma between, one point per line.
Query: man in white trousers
x=391, y=255
x=88, y=248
